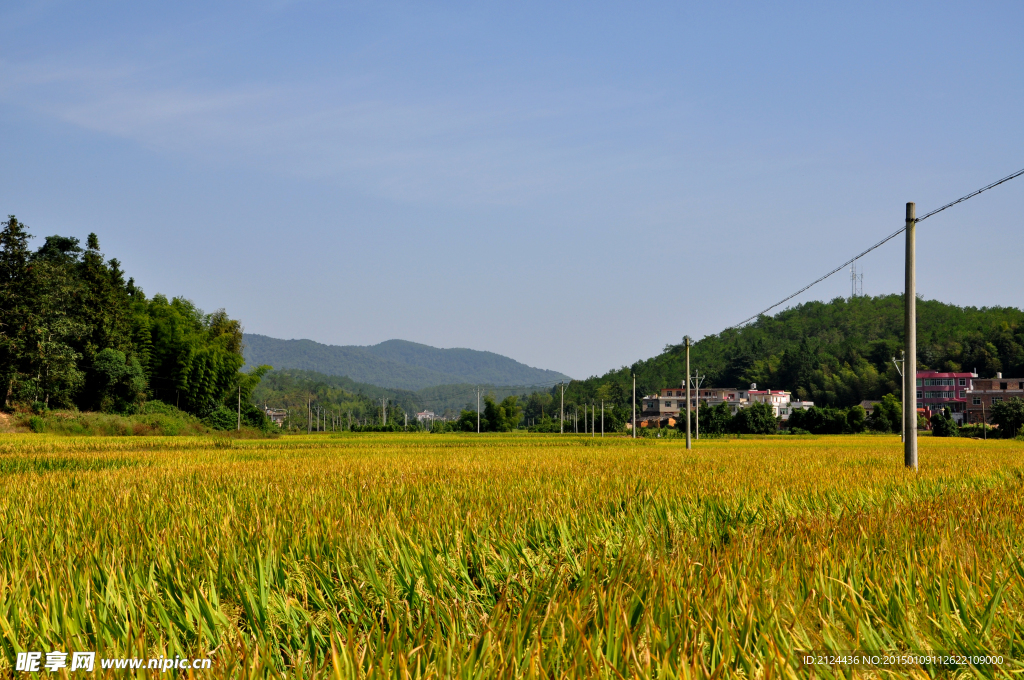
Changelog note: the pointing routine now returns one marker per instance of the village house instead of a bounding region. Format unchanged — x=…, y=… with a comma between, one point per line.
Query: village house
x=937, y=390
x=988, y=391
x=672, y=400
x=276, y=415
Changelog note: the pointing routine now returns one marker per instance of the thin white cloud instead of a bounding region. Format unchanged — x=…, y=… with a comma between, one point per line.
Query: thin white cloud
x=485, y=149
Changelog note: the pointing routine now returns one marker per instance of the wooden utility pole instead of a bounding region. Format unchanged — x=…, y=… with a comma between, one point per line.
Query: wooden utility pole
x=689, y=444
x=910, y=337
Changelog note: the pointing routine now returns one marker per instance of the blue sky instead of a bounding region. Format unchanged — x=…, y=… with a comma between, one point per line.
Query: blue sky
x=570, y=184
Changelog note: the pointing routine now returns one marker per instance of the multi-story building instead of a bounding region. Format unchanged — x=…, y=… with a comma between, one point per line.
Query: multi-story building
x=779, y=400
x=667, y=403
x=937, y=390
x=672, y=400
x=989, y=391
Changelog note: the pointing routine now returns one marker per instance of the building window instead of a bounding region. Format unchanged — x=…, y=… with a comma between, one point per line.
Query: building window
x=963, y=394
x=976, y=401
x=1002, y=386
x=996, y=400
x=918, y=382
x=919, y=393
x=668, y=404
x=920, y=405
x=1020, y=386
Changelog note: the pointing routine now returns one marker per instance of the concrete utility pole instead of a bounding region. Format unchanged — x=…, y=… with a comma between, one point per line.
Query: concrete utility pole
x=689, y=444
x=561, y=411
x=910, y=333
x=634, y=406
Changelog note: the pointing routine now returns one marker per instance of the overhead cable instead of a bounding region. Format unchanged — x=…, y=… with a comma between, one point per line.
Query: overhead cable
x=884, y=240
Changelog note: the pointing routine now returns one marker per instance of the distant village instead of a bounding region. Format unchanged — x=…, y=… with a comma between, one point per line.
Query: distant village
x=968, y=398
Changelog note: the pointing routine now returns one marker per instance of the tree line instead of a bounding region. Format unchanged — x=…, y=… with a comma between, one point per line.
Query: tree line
x=835, y=353
x=75, y=333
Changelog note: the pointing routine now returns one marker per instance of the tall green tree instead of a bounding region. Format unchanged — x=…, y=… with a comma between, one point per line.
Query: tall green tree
x=16, y=305
x=887, y=415
x=758, y=418
x=52, y=361
x=1009, y=416
x=194, y=357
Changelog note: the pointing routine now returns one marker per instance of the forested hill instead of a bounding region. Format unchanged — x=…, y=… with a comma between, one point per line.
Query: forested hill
x=396, y=363
x=835, y=353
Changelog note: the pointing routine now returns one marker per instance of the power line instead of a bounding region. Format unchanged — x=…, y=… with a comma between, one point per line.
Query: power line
x=972, y=194
x=880, y=243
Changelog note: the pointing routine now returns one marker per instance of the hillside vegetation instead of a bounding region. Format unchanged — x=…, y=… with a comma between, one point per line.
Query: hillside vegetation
x=395, y=364
x=835, y=353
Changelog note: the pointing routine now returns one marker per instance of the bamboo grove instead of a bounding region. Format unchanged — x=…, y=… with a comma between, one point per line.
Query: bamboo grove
x=75, y=334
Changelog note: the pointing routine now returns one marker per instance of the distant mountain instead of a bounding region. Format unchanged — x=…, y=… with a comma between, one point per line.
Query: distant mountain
x=396, y=364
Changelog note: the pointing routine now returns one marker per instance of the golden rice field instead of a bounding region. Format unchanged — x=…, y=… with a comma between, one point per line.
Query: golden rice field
x=512, y=555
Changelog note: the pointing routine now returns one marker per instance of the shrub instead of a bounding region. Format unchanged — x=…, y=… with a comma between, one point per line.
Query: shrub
x=978, y=430
x=755, y=419
x=222, y=418
x=943, y=424
x=887, y=415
